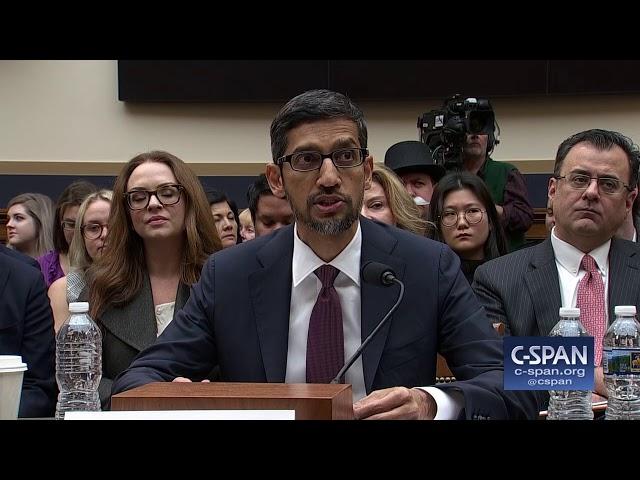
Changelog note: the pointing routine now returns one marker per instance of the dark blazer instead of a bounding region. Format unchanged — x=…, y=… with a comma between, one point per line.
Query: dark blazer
x=238, y=317
x=522, y=289
x=126, y=331
x=20, y=256
x=26, y=329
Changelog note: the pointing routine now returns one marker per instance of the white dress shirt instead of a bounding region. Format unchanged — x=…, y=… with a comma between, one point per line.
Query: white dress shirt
x=304, y=291
x=568, y=259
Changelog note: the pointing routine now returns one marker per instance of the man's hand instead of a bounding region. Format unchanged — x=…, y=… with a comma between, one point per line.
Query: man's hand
x=186, y=380
x=500, y=210
x=598, y=382
x=397, y=403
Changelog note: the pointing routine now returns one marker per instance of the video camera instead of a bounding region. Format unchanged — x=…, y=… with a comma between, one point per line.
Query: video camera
x=445, y=130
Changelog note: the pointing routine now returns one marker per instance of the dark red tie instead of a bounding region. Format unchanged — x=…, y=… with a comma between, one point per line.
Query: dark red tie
x=325, y=341
x=590, y=301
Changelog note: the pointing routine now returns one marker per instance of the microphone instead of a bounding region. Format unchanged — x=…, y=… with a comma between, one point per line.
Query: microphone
x=377, y=274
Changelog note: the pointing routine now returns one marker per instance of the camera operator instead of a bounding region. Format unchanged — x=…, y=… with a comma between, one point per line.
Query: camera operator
x=506, y=184
x=462, y=136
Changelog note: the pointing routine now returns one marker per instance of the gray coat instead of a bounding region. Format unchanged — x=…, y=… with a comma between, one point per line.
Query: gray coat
x=126, y=331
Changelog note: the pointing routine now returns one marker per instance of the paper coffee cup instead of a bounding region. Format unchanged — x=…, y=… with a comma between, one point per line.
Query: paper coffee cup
x=11, y=372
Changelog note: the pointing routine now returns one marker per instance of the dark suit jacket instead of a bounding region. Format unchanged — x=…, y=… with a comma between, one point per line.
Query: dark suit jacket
x=20, y=256
x=238, y=317
x=522, y=289
x=126, y=331
x=26, y=329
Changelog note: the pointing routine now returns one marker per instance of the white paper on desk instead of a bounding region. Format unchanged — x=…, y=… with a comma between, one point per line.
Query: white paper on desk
x=184, y=415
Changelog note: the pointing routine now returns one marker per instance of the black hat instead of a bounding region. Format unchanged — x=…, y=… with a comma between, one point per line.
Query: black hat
x=415, y=156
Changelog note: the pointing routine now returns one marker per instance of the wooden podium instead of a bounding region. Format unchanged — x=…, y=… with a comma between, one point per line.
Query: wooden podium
x=310, y=401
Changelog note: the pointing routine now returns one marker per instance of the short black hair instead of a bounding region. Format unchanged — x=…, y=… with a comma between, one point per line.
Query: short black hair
x=312, y=106
x=257, y=189
x=218, y=196
x=601, y=140
x=496, y=244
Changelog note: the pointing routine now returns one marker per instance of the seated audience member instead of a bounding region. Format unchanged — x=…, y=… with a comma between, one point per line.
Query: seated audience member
x=161, y=232
x=629, y=228
x=247, y=231
x=268, y=211
x=30, y=223
x=467, y=220
x=225, y=217
x=26, y=329
x=580, y=264
x=55, y=263
x=292, y=306
x=412, y=162
x=387, y=201
x=88, y=243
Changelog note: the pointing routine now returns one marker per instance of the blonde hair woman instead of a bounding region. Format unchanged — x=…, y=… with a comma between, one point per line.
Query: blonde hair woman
x=30, y=224
x=388, y=202
x=87, y=245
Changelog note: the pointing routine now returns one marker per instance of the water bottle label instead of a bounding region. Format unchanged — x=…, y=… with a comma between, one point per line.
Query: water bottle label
x=621, y=361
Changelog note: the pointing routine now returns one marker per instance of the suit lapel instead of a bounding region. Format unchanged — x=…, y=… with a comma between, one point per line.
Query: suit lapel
x=7, y=320
x=624, y=278
x=134, y=323
x=377, y=246
x=270, y=291
x=544, y=287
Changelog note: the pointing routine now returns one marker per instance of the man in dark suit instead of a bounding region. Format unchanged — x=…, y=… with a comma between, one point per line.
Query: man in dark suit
x=592, y=190
x=255, y=310
x=20, y=256
x=26, y=329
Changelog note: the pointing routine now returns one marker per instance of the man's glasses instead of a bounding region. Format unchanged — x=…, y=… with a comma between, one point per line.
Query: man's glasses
x=607, y=185
x=68, y=225
x=473, y=215
x=166, y=195
x=309, y=161
x=91, y=231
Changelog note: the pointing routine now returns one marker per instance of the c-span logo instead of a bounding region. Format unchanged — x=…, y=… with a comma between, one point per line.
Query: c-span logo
x=548, y=363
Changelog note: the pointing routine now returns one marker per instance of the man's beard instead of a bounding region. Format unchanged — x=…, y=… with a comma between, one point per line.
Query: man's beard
x=329, y=226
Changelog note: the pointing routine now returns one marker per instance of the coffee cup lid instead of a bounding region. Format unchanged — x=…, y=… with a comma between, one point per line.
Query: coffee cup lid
x=12, y=363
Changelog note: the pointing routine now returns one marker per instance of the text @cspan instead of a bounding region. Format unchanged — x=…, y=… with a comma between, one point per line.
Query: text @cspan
x=546, y=354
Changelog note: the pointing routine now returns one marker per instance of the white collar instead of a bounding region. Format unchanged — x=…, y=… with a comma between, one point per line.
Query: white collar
x=305, y=261
x=570, y=257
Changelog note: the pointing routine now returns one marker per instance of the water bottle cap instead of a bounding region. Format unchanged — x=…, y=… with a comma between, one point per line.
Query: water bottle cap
x=79, y=307
x=625, y=310
x=569, y=312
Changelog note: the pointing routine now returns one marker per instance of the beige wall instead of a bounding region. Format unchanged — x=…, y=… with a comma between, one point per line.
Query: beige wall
x=68, y=111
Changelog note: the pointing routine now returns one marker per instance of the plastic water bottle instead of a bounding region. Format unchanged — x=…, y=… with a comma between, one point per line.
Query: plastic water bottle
x=569, y=404
x=621, y=365
x=78, y=362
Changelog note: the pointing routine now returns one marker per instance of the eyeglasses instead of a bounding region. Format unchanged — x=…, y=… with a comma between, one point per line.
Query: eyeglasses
x=309, y=161
x=166, y=195
x=472, y=215
x=91, y=231
x=607, y=185
x=68, y=225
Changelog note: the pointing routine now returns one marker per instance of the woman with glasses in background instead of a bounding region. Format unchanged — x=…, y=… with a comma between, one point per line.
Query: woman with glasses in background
x=161, y=232
x=55, y=263
x=467, y=220
x=87, y=245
